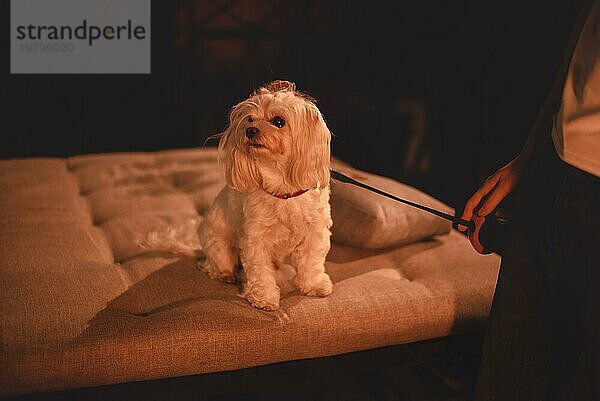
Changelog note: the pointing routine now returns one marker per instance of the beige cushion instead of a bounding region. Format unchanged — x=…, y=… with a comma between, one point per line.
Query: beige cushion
x=368, y=220
x=82, y=305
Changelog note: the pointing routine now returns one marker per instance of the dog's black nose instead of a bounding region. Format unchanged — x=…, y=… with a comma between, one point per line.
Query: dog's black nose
x=251, y=132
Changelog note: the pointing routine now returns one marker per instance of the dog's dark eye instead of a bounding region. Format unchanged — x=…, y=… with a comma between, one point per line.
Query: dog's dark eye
x=278, y=122
x=249, y=119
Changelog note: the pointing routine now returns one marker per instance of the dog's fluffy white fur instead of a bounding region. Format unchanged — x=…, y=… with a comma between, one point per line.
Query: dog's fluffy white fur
x=275, y=154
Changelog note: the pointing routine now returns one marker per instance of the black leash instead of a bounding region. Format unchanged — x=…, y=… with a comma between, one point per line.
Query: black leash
x=456, y=220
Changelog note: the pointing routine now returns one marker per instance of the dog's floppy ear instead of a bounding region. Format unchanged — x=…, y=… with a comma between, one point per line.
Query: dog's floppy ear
x=240, y=173
x=310, y=155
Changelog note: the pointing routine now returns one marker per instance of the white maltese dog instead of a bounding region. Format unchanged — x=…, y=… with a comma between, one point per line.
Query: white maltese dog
x=275, y=208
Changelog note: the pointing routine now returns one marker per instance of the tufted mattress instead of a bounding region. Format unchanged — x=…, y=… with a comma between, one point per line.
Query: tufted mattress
x=83, y=305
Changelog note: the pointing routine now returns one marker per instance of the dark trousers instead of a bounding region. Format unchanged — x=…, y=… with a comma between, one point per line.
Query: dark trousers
x=543, y=338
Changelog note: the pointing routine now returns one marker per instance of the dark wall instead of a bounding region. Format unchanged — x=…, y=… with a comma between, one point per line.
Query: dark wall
x=437, y=93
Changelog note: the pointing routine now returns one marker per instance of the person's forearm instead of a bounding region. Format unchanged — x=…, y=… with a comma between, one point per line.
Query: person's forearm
x=543, y=123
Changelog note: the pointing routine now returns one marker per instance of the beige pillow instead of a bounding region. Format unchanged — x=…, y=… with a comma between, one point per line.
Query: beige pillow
x=365, y=219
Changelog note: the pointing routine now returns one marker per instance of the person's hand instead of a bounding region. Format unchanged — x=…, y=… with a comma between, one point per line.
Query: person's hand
x=497, y=187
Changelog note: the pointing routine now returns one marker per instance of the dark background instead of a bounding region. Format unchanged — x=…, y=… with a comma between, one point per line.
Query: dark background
x=437, y=93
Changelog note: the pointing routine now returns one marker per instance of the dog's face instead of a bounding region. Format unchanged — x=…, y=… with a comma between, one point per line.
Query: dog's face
x=277, y=127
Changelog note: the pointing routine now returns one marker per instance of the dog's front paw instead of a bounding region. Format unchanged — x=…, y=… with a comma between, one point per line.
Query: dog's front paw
x=262, y=295
x=319, y=285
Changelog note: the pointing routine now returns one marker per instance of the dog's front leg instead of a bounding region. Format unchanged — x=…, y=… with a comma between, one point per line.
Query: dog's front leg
x=260, y=288
x=309, y=260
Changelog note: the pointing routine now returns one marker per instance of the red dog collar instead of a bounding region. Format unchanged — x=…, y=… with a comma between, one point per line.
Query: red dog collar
x=288, y=196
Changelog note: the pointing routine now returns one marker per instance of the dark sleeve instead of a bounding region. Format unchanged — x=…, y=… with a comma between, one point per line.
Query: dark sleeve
x=543, y=123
